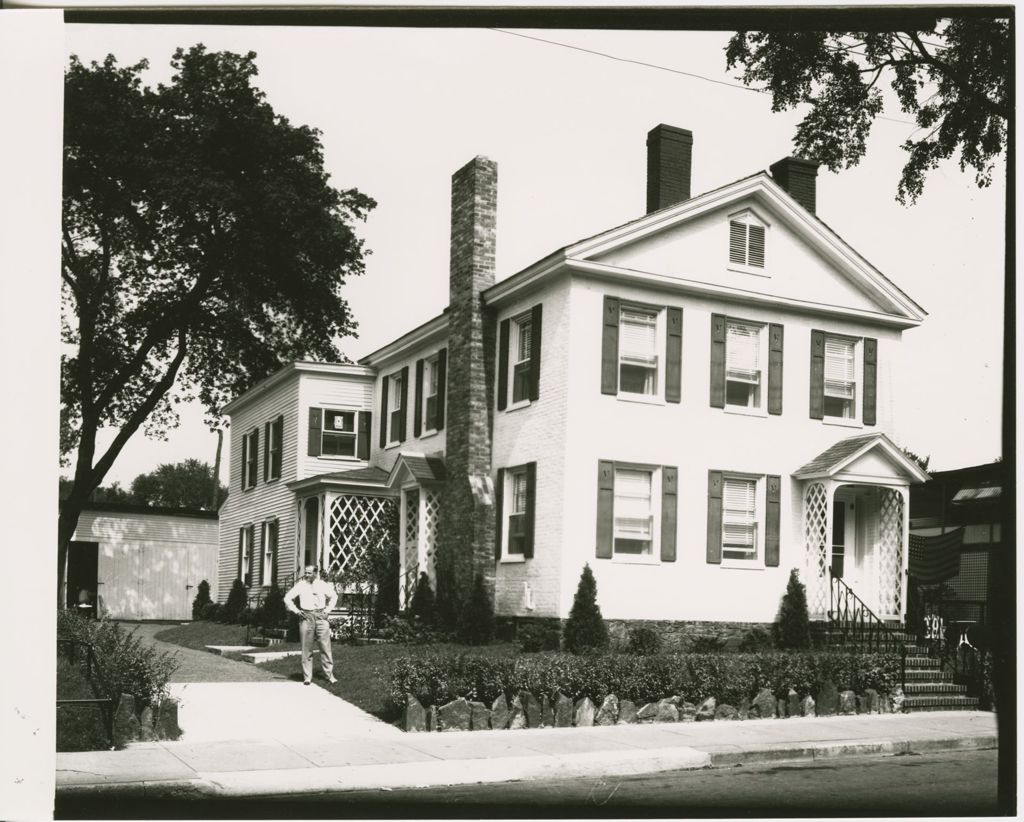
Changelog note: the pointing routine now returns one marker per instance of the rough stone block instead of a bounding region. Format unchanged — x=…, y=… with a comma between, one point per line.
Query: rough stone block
x=827, y=701
x=517, y=715
x=126, y=724
x=547, y=712
x=847, y=703
x=706, y=710
x=479, y=716
x=432, y=724
x=896, y=700
x=764, y=705
x=780, y=709
x=563, y=711
x=531, y=707
x=608, y=713
x=743, y=709
x=499, y=713
x=667, y=712
x=627, y=713
x=454, y=716
x=167, y=726
x=807, y=706
x=647, y=713
x=583, y=716
x=724, y=711
x=414, y=717
x=792, y=703
x=146, y=725
x=872, y=701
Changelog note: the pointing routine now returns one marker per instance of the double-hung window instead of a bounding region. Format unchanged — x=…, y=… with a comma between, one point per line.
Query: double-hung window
x=518, y=501
x=274, y=433
x=747, y=241
x=840, y=378
x=250, y=457
x=339, y=434
x=430, y=383
x=516, y=498
x=521, y=346
x=739, y=519
x=634, y=512
x=268, y=539
x=638, y=351
x=396, y=393
x=744, y=368
x=245, y=560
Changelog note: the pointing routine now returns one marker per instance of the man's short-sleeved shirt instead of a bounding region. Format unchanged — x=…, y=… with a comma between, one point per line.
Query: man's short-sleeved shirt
x=313, y=596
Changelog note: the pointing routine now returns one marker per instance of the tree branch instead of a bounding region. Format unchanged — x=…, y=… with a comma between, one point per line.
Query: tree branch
x=962, y=81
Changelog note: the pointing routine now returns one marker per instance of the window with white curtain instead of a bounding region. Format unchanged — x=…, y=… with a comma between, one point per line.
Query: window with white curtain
x=634, y=511
x=743, y=364
x=739, y=519
x=638, y=351
x=840, y=377
x=430, y=377
x=517, y=495
x=522, y=349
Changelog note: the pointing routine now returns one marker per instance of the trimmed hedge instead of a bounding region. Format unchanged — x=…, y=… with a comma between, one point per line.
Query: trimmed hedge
x=438, y=679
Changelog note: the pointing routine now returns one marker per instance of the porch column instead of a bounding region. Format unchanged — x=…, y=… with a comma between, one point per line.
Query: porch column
x=403, y=569
x=323, y=549
x=422, y=539
x=904, y=491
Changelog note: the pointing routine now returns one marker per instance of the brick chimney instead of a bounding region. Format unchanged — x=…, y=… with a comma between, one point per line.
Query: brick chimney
x=797, y=176
x=466, y=538
x=669, y=160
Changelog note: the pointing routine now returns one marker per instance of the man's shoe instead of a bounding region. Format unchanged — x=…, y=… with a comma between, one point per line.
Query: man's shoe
x=305, y=682
x=332, y=680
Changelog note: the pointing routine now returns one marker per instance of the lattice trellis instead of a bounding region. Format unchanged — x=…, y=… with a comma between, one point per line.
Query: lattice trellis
x=352, y=519
x=412, y=528
x=431, y=516
x=816, y=541
x=889, y=550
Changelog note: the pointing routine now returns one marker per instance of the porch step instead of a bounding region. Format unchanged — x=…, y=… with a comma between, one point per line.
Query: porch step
x=926, y=675
x=922, y=662
x=934, y=688
x=940, y=702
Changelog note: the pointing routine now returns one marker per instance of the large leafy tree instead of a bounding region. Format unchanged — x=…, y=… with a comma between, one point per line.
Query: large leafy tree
x=202, y=248
x=187, y=484
x=951, y=77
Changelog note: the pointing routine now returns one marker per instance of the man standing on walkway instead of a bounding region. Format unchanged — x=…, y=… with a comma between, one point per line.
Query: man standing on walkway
x=316, y=598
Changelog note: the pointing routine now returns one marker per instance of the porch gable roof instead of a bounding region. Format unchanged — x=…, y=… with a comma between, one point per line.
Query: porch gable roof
x=423, y=469
x=370, y=477
x=843, y=454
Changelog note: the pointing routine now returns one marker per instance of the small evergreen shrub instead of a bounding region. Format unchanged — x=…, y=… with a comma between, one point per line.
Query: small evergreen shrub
x=585, y=630
x=202, y=600
x=792, y=628
x=756, y=639
x=643, y=641
x=211, y=612
x=534, y=637
x=476, y=623
x=275, y=614
x=238, y=599
x=423, y=607
x=408, y=631
x=712, y=644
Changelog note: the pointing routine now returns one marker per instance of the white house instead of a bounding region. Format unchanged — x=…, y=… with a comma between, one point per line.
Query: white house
x=693, y=403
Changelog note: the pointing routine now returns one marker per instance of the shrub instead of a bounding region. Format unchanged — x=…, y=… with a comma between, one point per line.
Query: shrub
x=792, y=627
x=476, y=622
x=275, y=614
x=238, y=599
x=202, y=600
x=407, y=631
x=643, y=641
x=422, y=606
x=585, y=630
x=707, y=644
x=211, y=612
x=122, y=662
x=534, y=637
x=79, y=727
x=756, y=639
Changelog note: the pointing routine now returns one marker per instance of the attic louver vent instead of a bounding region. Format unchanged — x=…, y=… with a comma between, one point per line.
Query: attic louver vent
x=746, y=242
x=755, y=247
x=737, y=243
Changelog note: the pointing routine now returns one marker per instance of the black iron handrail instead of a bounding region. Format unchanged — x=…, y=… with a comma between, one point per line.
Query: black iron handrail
x=105, y=705
x=947, y=639
x=859, y=626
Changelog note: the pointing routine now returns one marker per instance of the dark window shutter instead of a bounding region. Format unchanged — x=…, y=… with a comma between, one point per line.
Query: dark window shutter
x=417, y=414
x=241, y=538
x=384, y=383
x=405, y=404
x=535, y=323
x=499, y=516
x=775, y=339
x=674, y=356
x=714, y=553
x=275, y=469
x=718, y=361
x=245, y=462
x=870, y=380
x=442, y=386
x=316, y=423
x=669, y=512
x=266, y=451
x=772, y=519
x=272, y=530
x=531, y=499
x=255, y=468
x=610, y=347
x=363, y=442
x=817, y=375
x=503, y=329
x=605, y=508
x=252, y=559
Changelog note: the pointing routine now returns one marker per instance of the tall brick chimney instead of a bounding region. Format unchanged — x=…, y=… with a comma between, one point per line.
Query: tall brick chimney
x=466, y=538
x=798, y=177
x=669, y=160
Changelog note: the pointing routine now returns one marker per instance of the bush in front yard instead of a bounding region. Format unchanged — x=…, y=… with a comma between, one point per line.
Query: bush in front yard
x=476, y=622
x=275, y=614
x=792, y=627
x=202, y=600
x=730, y=678
x=585, y=629
x=423, y=607
x=238, y=600
x=538, y=637
x=643, y=641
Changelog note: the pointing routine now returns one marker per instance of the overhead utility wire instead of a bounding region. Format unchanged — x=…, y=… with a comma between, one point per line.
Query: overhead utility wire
x=660, y=68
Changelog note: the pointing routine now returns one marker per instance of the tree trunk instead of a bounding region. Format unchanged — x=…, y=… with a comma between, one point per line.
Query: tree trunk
x=215, y=488
x=70, y=510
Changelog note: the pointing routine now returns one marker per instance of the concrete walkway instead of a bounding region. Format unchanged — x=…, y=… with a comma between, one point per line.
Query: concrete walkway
x=344, y=752
x=200, y=666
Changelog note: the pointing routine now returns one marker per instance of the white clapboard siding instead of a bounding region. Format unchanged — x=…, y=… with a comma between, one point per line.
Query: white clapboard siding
x=149, y=565
x=341, y=392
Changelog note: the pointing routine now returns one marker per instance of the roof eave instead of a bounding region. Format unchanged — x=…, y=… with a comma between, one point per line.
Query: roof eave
x=294, y=369
x=424, y=334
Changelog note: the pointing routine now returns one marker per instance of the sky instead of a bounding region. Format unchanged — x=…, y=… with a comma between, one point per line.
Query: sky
x=401, y=109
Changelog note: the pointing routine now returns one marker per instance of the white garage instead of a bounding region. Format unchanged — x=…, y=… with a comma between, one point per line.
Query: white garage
x=142, y=563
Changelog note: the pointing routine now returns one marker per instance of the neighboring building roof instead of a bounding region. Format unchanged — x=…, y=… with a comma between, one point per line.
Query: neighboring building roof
x=422, y=468
x=833, y=459
x=294, y=368
x=984, y=492
x=132, y=508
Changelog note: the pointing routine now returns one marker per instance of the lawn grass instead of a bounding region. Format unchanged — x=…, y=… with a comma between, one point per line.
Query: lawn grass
x=361, y=670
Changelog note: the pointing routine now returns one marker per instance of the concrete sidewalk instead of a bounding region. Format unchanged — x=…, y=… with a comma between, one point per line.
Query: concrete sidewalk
x=333, y=762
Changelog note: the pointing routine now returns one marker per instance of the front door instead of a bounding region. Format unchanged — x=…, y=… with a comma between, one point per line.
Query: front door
x=83, y=562
x=854, y=533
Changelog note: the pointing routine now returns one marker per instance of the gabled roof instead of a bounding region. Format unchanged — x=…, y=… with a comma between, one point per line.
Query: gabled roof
x=423, y=469
x=293, y=368
x=370, y=477
x=834, y=459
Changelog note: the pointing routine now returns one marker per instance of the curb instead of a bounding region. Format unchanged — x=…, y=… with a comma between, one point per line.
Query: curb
x=786, y=752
